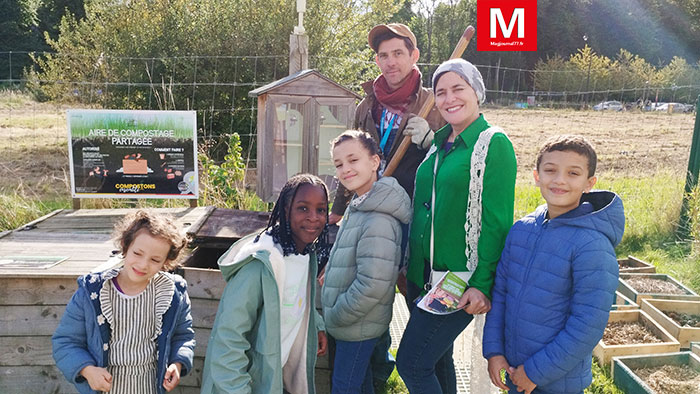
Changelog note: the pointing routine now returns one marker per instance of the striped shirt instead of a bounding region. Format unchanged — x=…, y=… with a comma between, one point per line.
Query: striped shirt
x=135, y=322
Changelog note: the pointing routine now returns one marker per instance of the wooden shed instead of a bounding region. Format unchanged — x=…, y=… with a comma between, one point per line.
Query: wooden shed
x=39, y=265
x=298, y=116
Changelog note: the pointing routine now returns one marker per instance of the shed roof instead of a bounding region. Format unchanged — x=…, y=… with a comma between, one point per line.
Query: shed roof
x=315, y=76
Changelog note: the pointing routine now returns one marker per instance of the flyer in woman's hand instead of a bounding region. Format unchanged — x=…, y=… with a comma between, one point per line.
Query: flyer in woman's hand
x=443, y=298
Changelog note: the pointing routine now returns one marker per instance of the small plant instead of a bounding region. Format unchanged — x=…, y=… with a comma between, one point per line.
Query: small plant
x=223, y=185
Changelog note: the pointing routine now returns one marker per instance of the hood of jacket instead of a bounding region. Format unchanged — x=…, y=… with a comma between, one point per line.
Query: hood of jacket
x=385, y=196
x=600, y=210
x=246, y=250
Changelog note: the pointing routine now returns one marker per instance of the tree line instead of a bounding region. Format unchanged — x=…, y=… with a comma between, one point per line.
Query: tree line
x=206, y=55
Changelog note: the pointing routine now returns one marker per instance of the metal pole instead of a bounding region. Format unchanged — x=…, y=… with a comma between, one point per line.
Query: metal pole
x=691, y=179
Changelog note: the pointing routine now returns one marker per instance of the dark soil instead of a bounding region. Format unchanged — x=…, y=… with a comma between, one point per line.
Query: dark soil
x=659, y=286
x=684, y=319
x=671, y=379
x=628, y=333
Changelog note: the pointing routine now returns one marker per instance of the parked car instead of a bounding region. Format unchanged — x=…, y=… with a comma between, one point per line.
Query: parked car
x=608, y=105
x=677, y=107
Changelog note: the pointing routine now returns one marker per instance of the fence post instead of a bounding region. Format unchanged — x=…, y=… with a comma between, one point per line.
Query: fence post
x=691, y=179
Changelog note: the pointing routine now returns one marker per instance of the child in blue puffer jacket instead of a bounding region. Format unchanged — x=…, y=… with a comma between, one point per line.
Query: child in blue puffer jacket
x=556, y=278
x=129, y=329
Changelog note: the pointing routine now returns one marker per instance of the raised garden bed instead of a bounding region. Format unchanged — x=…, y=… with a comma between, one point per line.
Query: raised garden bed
x=634, y=265
x=695, y=348
x=680, y=318
x=671, y=373
x=623, y=303
x=630, y=333
x=659, y=286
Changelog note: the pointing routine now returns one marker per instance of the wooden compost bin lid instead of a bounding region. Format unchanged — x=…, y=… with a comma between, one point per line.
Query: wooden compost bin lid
x=80, y=240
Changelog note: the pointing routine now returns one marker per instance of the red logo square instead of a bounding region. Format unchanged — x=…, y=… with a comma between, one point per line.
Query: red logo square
x=506, y=25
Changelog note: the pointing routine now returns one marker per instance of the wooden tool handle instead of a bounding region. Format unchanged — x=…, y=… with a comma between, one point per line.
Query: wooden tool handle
x=428, y=104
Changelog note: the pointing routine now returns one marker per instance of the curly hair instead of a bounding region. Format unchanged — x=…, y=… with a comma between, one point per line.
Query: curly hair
x=158, y=225
x=570, y=143
x=278, y=226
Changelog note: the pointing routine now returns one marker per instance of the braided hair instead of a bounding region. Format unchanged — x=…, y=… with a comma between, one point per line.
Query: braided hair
x=278, y=226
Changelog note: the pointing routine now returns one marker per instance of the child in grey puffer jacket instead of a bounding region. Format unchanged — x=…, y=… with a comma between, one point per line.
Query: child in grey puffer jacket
x=358, y=290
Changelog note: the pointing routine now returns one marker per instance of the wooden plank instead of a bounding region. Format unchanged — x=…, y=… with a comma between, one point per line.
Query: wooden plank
x=43, y=319
x=36, y=350
x=604, y=353
x=41, y=291
x=33, y=223
x=71, y=236
x=201, y=335
x=32, y=320
x=200, y=221
x=204, y=283
x=104, y=219
x=71, y=268
x=34, y=380
x=657, y=308
x=194, y=378
x=311, y=85
x=24, y=350
x=203, y=312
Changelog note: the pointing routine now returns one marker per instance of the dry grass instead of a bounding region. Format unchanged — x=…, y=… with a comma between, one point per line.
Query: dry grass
x=627, y=143
x=34, y=158
x=33, y=148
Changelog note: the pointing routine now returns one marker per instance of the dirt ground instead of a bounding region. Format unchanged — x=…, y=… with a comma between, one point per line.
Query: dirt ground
x=671, y=379
x=34, y=156
x=684, y=319
x=657, y=286
x=628, y=333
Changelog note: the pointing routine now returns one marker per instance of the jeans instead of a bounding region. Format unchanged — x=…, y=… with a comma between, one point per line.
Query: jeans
x=424, y=360
x=351, y=372
x=382, y=362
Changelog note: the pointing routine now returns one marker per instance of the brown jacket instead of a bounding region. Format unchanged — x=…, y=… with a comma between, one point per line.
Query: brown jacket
x=406, y=170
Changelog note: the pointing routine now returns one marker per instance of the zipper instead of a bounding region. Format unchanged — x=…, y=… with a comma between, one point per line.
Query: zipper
x=528, y=269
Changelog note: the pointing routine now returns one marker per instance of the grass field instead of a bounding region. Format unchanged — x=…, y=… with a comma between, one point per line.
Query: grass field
x=642, y=156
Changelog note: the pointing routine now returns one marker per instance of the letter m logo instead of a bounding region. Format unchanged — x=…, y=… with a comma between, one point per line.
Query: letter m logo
x=506, y=25
x=497, y=20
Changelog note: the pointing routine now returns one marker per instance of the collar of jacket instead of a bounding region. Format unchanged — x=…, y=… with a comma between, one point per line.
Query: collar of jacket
x=468, y=135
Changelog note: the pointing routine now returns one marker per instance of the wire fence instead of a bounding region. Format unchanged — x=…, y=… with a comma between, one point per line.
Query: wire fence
x=217, y=87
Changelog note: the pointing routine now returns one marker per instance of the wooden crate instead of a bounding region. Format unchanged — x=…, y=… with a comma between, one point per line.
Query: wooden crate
x=625, y=288
x=626, y=380
x=623, y=303
x=604, y=353
x=636, y=266
x=684, y=335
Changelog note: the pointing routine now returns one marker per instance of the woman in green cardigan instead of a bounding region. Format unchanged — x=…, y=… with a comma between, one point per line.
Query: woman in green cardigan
x=462, y=211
